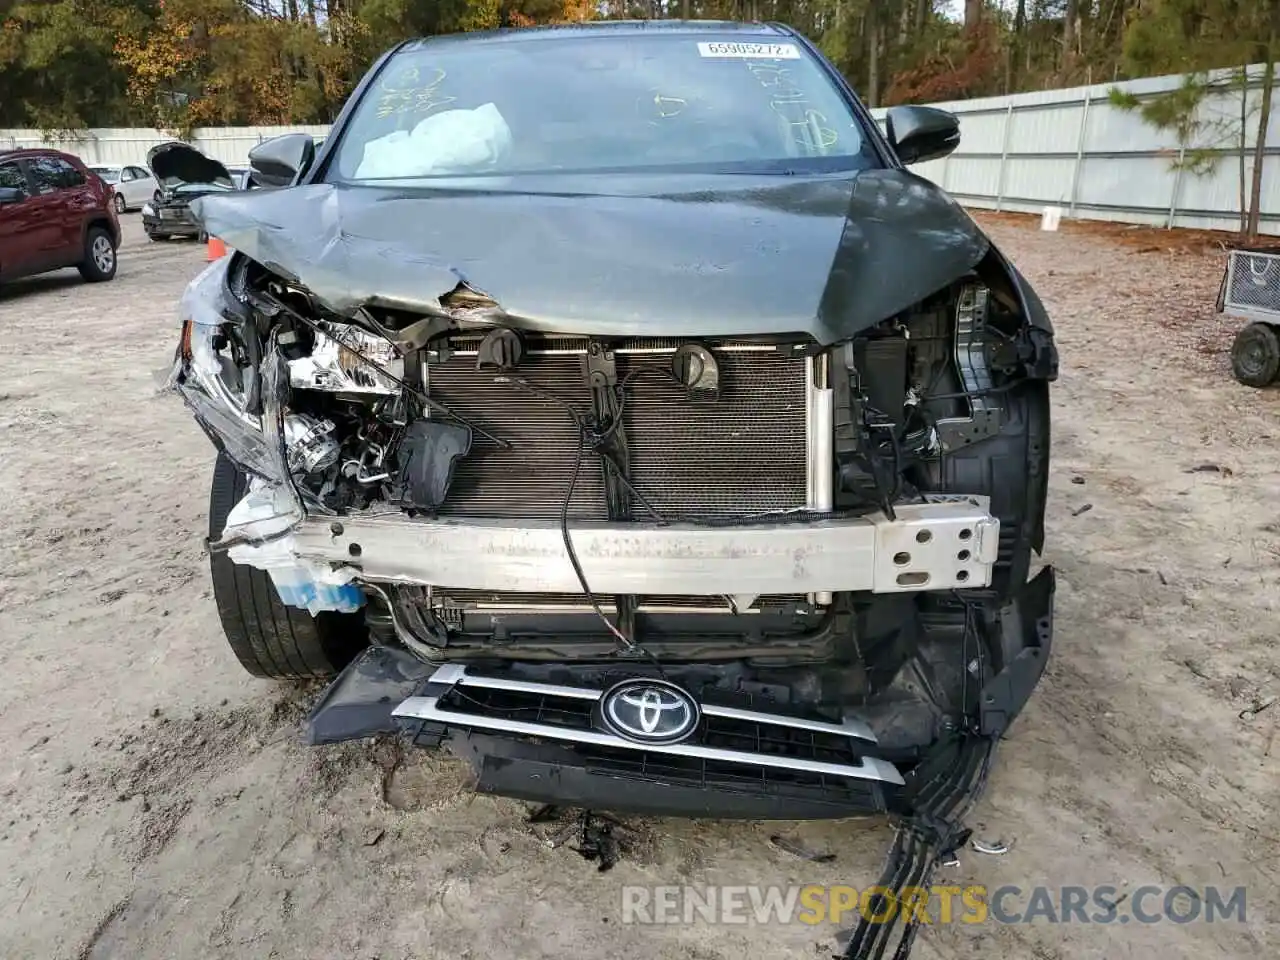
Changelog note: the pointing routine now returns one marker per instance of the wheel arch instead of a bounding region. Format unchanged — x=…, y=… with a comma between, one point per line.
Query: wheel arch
x=100, y=220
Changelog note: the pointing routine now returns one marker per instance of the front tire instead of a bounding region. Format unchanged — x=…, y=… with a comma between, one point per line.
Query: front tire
x=1255, y=355
x=269, y=638
x=120, y=204
x=99, y=263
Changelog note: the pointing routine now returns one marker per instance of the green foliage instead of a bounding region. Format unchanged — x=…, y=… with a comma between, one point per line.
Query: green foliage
x=1194, y=36
x=57, y=71
x=1180, y=111
x=69, y=64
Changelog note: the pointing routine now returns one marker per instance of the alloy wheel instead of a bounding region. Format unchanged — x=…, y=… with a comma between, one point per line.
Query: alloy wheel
x=104, y=256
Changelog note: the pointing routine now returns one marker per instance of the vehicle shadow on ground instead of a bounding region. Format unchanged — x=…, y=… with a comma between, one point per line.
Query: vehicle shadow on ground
x=44, y=283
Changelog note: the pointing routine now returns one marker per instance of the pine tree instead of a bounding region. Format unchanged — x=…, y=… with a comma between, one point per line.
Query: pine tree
x=1173, y=36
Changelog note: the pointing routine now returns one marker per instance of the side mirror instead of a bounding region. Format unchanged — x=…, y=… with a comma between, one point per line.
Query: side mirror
x=918, y=134
x=12, y=195
x=278, y=161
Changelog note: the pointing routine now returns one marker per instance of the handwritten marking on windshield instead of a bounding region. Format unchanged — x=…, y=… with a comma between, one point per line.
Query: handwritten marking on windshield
x=407, y=93
x=789, y=101
x=666, y=107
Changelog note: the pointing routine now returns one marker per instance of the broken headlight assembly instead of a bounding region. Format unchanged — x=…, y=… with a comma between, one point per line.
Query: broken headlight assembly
x=236, y=383
x=215, y=372
x=291, y=393
x=346, y=359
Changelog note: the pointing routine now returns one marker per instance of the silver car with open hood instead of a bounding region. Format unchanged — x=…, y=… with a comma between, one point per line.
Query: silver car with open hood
x=183, y=175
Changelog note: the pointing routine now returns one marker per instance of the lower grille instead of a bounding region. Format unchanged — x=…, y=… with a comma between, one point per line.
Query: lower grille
x=747, y=740
x=739, y=455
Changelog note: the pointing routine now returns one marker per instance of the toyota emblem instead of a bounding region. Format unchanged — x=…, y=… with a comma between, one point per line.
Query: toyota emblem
x=649, y=711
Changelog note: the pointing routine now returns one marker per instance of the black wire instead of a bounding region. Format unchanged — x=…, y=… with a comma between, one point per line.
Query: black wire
x=627, y=642
x=588, y=438
x=897, y=462
x=600, y=438
x=887, y=497
x=702, y=520
x=970, y=632
x=617, y=472
x=964, y=665
x=970, y=394
x=573, y=554
x=597, y=438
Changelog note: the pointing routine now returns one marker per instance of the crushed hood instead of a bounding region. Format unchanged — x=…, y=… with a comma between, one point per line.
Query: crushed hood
x=176, y=163
x=620, y=256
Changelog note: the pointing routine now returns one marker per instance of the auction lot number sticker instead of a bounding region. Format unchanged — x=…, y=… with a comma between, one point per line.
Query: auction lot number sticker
x=764, y=51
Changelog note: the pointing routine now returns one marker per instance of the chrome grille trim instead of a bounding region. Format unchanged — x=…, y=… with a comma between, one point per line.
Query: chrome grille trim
x=848, y=728
x=456, y=674
x=427, y=707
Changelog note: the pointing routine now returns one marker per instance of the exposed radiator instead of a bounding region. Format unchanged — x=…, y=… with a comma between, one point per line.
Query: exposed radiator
x=739, y=455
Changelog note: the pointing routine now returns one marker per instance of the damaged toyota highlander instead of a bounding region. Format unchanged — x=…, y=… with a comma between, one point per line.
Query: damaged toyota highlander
x=622, y=415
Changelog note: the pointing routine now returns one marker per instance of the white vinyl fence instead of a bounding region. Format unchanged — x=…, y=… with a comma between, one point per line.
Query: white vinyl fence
x=121, y=145
x=1069, y=148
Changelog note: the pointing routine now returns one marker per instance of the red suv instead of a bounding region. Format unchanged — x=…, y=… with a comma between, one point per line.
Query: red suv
x=55, y=213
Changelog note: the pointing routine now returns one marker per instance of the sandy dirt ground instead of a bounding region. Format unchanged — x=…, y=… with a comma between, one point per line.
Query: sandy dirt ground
x=157, y=805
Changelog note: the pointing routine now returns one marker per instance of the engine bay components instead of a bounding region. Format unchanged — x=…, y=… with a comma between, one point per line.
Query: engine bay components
x=310, y=443
x=971, y=361
x=427, y=455
x=471, y=421
x=695, y=367
x=501, y=350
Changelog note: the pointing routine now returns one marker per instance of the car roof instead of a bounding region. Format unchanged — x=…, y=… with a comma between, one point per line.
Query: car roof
x=20, y=152
x=605, y=28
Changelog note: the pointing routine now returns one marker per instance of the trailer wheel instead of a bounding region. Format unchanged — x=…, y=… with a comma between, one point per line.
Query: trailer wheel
x=1255, y=355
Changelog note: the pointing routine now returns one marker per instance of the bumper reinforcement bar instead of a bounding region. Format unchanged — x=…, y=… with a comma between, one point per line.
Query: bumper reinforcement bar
x=940, y=544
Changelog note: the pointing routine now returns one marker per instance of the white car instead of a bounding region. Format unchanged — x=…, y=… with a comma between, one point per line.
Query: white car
x=133, y=186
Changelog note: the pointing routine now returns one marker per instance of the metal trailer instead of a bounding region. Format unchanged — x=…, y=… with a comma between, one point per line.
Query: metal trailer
x=1251, y=292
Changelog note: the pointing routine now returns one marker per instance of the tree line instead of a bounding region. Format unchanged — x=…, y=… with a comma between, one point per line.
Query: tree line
x=178, y=64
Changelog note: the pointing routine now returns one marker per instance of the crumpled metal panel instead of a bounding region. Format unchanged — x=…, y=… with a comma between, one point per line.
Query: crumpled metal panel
x=688, y=255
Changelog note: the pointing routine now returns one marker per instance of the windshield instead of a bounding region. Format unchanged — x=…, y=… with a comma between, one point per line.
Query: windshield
x=109, y=174
x=587, y=103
